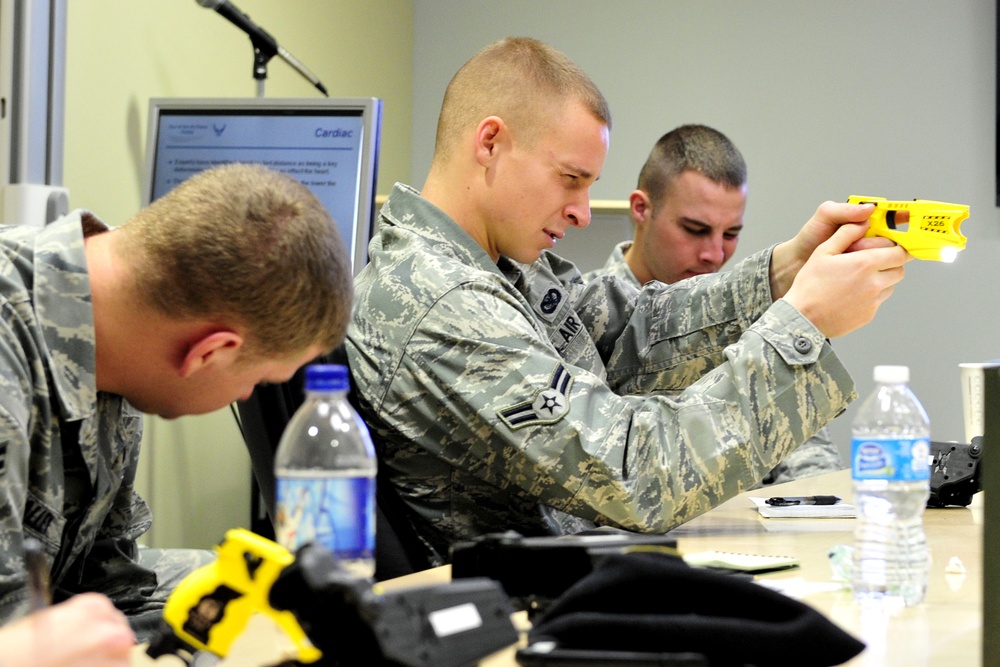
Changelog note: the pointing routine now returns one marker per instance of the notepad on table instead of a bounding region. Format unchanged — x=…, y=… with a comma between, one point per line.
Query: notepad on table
x=840, y=510
x=754, y=563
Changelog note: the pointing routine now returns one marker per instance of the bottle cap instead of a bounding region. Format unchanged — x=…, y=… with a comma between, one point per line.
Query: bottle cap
x=327, y=377
x=892, y=374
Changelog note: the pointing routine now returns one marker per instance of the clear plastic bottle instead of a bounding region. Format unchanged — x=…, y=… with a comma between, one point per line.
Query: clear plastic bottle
x=890, y=451
x=325, y=474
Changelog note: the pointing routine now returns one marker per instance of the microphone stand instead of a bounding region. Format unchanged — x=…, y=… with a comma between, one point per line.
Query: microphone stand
x=262, y=54
x=265, y=47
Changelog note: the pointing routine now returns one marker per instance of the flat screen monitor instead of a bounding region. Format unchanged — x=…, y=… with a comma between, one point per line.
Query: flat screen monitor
x=331, y=145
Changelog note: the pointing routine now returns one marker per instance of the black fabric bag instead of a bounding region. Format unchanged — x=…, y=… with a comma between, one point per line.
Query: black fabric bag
x=655, y=603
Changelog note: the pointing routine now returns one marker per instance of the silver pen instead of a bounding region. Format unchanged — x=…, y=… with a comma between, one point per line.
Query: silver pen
x=37, y=566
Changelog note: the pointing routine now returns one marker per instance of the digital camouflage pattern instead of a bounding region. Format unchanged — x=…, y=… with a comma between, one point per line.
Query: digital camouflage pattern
x=816, y=456
x=68, y=453
x=495, y=387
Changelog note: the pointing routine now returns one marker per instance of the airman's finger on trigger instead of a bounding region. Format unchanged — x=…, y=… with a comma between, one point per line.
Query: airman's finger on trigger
x=838, y=213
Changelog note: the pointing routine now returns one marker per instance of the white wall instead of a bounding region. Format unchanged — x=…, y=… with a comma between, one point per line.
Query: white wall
x=120, y=53
x=825, y=99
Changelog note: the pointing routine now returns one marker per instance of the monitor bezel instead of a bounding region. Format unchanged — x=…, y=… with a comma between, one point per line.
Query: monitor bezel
x=371, y=113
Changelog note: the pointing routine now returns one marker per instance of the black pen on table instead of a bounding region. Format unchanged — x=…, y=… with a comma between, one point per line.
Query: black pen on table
x=784, y=501
x=37, y=566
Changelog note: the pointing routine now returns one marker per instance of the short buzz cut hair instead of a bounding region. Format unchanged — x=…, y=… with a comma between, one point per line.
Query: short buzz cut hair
x=697, y=148
x=243, y=244
x=521, y=80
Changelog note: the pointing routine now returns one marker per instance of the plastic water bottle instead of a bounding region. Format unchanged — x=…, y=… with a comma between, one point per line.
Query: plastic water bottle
x=325, y=474
x=890, y=451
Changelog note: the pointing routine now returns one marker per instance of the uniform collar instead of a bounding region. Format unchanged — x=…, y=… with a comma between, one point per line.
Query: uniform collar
x=64, y=308
x=405, y=208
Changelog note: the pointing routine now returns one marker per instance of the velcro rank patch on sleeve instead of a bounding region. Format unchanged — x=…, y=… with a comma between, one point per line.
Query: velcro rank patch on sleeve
x=547, y=406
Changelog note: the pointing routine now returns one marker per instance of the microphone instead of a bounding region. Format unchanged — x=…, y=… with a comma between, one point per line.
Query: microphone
x=260, y=38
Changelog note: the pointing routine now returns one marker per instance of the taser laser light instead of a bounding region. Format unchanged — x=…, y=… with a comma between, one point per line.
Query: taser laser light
x=926, y=229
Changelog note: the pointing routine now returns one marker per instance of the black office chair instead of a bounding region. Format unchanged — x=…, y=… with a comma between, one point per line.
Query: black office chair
x=263, y=417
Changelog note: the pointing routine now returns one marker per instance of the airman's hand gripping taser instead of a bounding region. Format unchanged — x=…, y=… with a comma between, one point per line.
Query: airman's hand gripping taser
x=926, y=229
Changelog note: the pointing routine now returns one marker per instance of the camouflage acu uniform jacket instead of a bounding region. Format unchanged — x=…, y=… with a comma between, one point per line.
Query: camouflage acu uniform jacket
x=816, y=456
x=493, y=387
x=68, y=453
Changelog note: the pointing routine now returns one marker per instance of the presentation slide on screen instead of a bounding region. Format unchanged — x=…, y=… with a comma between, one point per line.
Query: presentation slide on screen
x=320, y=151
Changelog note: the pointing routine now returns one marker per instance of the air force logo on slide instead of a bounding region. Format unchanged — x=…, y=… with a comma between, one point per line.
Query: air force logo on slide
x=547, y=407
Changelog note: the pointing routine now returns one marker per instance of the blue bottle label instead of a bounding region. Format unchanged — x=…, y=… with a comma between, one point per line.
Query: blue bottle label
x=337, y=512
x=893, y=459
